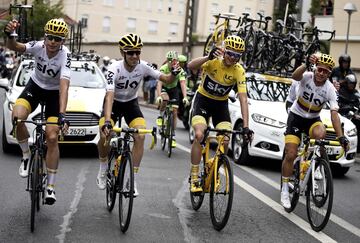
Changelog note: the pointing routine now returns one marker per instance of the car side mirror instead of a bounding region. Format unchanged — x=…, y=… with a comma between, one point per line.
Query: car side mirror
x=4, y=83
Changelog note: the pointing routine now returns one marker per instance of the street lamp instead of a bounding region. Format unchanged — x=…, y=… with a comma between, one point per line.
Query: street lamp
x=349, y=8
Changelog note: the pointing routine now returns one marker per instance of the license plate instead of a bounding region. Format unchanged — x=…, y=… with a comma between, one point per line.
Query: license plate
x=76, y=132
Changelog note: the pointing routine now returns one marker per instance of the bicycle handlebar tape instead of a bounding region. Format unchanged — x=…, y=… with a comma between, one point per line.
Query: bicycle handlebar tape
x=212, y=53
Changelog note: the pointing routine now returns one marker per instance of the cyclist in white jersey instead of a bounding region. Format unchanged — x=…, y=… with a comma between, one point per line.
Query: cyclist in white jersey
x=314, y=91
x=123, y=81
x=49, y=83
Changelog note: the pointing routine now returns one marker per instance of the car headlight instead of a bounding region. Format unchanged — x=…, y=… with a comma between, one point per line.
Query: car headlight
x=267, y=121
x=352, y=132
x=11, y=105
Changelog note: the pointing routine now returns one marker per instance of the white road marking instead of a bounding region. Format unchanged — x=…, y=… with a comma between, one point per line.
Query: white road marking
x=277, y=207
x=65, y=226
x=336, y=219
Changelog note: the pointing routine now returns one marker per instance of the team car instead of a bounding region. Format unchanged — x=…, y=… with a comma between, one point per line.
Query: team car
x=85, y=99
x=267, y=118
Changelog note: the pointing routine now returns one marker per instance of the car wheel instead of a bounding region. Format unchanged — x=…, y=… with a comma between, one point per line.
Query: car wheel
x=339, y=171
x=7, y=148
x=240, y=149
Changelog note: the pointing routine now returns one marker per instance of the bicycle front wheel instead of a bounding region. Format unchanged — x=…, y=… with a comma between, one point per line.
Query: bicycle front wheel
x=170, y=132
x=221, y=193
x=319, y=195
x=294, y=186
x=34, y=182
x=110, y=182
x=126, y=195
x=164, y=131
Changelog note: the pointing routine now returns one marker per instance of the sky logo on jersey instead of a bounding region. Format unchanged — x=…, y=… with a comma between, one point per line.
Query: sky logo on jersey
x=44, y=69
x=127, y=84
x=310, y=98
x=216, y=89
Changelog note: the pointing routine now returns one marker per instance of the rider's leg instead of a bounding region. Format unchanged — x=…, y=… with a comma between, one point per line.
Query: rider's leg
x=199, y=125
x=103, y=150
x=22, y=110
x=287, y=169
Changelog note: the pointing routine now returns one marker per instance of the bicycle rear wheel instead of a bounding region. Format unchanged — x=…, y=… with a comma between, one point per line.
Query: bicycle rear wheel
x=110, y=182
x=197, y=198
x=294, y=186
x=126, y=194
x=319, y=195
x=170, y=132
x=34, y=180
x=221, y=193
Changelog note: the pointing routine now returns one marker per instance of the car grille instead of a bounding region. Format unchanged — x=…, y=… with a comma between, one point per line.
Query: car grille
x=330, y=135
x=79, y=119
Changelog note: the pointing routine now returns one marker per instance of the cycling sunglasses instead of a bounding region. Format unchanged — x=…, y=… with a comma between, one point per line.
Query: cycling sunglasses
x=54, y=37
x=131, y=53
x=232, y=54
x=323, y=70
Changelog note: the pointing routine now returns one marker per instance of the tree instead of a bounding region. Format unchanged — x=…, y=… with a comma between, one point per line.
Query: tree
x=315, y=9
x=279, y=9
x=43, y=11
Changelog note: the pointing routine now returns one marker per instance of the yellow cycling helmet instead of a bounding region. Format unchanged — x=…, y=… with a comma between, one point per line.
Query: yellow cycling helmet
x=235, y=43
x=56, y=27
x=326, y=60
x=130, y=41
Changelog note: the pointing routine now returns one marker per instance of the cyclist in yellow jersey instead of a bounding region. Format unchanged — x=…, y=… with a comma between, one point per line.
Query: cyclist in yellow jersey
x=220, y=72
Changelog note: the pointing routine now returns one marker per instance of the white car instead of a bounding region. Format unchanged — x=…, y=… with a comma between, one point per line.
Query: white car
x=268, y=117
x=85, y=100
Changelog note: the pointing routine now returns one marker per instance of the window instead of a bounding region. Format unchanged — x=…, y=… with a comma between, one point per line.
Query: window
x=214, y=8
x=138, y=4
x=84, y=21
x=181, y=7
x=153, y=26
x=160, y=5
x=108, y=2
x=126, y=3
x=170, y=6
x=174, y=28
x=106, y=24
x=131, y=24
x=148, y=5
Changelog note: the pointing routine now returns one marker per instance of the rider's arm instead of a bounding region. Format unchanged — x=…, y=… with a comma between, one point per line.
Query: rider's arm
x=244, y=109
x=11, y=43
x=335, y=119
x=63, y=94
x=183, y=87
x=109, y=99
x=196, y=63
x=298, y=73
x=158, y=88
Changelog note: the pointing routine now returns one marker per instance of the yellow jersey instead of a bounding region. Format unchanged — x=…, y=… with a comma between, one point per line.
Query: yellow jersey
x=217, y=80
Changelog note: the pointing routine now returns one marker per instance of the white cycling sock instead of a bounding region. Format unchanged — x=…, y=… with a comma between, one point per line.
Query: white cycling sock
x=24, y=145
x=103, y=166
x=51, y=175
x=285, y=186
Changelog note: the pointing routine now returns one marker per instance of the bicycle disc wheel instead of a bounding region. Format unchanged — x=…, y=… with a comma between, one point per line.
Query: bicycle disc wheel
x=294, y=186
x=110, y=183
x=221, y=193
x=319, y=195
x=34, y=178
x=197, y=198
x=126, y=194
x=170, y=133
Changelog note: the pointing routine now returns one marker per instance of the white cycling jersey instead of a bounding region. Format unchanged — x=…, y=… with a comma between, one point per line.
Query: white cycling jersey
x=293, y=92
x=126, y=84
x=48, y=72
x=311, y=98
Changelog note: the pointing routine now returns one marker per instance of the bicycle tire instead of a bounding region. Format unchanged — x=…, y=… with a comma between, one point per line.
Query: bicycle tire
x=34, y=177
x=197, y=198
x=319, y=205
x=170, y=133
x=209, y=44
x=40, y=185
x=164, y=131
x=219, y=218
x=126, y=194
x=294, y=186
x=248, y=56
x=111, y=182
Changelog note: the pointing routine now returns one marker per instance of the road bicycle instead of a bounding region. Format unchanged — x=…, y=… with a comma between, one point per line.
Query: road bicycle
x=315, y=182
x=120, y=172
x=216, y=178
x=221, y=31
x=37, y=178
x=166, y=129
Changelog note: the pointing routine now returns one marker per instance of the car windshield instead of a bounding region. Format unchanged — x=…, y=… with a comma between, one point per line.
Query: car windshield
x=267, y=90
x=84, y=75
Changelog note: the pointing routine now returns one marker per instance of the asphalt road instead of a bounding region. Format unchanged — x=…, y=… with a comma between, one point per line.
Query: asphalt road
x=162, y=212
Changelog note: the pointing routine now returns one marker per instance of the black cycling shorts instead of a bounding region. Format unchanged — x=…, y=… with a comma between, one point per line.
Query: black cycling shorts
x=218, y=110
x=34, y=94
x=297, y=124
x=173, y=93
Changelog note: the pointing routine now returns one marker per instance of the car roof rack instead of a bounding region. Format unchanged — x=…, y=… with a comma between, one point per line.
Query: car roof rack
x=86, y=56
x=26, y=56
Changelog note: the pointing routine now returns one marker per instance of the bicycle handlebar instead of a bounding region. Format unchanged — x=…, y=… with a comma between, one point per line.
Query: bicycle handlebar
x=139, y=131
x=323, y=142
